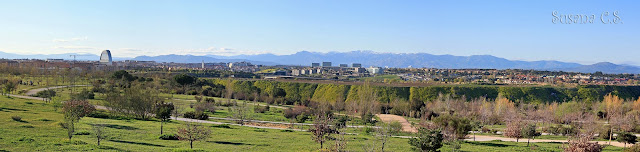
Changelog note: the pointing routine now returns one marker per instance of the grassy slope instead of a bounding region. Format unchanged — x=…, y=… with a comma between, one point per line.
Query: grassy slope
x=40, y=131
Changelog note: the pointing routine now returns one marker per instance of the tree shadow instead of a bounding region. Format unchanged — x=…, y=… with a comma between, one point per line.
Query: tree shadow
x=228, y=143
x=137, y=143
x=121, y=127
x=12, y=109
x=488, y=144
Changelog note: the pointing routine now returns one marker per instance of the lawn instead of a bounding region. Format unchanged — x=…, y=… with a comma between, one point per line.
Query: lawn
x=39, y=130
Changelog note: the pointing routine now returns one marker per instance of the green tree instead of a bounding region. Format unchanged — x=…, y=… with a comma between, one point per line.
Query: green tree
x=163, y=112
x=626, y=138
x=184, y=80
x=9, y=87
x=529, y=132
x=453, y=127
x=427, y=140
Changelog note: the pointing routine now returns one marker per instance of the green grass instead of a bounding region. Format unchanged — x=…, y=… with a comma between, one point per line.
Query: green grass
x=40, y=131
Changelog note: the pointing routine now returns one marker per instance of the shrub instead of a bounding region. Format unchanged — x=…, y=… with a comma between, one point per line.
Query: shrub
x=16, y=118
x=261, y=109
x=396, y=127
x=84, y=95
x=605, y=132
x=583, y=145
x=196, y=115
x=169, y=137
x=367, y=130
x=634, y=148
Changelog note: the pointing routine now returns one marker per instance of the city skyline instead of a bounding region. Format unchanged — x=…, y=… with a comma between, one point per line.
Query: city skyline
x=511, y=30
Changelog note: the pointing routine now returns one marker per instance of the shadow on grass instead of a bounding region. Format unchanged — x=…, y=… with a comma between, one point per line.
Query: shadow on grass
x=228, y=143
x=137, y=143
x=13, y=109
x=488, y=144
x=121, y=127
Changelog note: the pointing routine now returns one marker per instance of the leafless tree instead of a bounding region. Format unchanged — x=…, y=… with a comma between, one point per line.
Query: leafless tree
x=193, y=132
x=99, y=132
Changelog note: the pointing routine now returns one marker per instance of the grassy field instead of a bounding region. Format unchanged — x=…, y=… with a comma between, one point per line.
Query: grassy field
x=39, y=130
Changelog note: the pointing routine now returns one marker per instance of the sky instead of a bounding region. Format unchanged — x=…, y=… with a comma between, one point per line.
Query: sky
x=515, y=30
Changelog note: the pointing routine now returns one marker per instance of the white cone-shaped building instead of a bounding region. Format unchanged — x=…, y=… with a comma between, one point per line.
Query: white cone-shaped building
x=105, y=57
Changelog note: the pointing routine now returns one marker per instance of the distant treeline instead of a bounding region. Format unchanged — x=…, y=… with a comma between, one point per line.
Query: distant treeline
x=293, y=92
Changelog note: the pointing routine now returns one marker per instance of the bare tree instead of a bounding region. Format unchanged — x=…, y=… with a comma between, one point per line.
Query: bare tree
x=241, y=113
x=193, y=132
x=384, y=132
x=74, y=110
x=99, y=132
x=321, y=129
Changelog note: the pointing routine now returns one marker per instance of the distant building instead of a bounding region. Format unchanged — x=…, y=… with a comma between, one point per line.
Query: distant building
x=326, y=64
x=356, y=65
x=374, y=70
x=54, y=60
x=315, y=64
x=105, y=57
x=344, y=65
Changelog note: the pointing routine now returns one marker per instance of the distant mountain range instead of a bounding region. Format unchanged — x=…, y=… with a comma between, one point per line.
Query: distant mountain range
x=66, y=56
x=370, y=58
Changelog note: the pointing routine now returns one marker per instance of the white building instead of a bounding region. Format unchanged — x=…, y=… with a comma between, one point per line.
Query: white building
x=105, y=58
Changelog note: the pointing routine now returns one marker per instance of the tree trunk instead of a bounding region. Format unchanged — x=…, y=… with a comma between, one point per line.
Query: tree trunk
x=191, y=144
x=98, y=141
x=529, y=139
x=382, y=149
x=321, y=145
x=610, y=133
x=161, y=122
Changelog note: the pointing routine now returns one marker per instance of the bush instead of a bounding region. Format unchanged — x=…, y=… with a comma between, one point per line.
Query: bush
x=169, y=137
x=196, y=115
x=605, y=132
x=367, y=130
x=634, y=148
x=84, y=95
x=16, y=118
x=46, y=94
x=261, y=109
x=396, y=127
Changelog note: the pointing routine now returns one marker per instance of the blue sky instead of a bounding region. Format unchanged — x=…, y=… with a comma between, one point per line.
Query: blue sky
x=514, y=30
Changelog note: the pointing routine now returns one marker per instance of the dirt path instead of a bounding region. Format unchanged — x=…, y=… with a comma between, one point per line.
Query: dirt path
x=406, y=126
x=490, y=138
x=34, y=91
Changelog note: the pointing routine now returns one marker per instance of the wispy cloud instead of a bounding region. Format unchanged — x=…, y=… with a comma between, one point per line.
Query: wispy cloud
x=71, y=39
x=72, y=47
x=219, y=51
